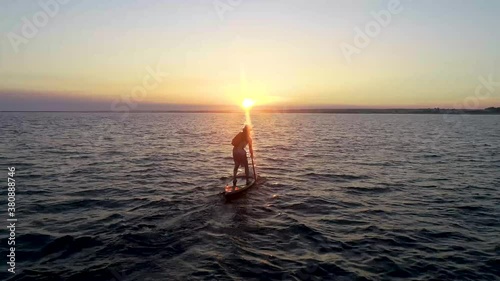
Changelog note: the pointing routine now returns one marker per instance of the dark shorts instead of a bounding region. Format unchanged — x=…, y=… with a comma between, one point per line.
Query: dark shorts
x=240, y=157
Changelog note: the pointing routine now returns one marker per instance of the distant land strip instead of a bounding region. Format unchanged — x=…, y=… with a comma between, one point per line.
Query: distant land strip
x=486, y=111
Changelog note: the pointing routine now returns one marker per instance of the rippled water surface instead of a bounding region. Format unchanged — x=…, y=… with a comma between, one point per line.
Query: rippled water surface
x=340, y=197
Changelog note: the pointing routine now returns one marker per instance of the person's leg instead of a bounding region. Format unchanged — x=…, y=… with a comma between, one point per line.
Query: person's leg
x=236, y=166
x=247, y=170
x=235, y=171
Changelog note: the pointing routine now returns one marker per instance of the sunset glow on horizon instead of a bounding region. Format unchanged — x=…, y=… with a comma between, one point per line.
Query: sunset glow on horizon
x=248, y=103
x=281, y=53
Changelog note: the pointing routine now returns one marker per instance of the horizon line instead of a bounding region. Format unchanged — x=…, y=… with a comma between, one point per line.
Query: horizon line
x=436, y=110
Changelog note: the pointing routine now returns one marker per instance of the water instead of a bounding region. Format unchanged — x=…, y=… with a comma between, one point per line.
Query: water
x=341, y=197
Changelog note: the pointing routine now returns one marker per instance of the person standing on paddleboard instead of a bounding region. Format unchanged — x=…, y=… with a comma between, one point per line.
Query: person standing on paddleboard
x=239, y=142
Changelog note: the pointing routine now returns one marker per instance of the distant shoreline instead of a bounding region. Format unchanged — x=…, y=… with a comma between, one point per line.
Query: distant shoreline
x=488, y=111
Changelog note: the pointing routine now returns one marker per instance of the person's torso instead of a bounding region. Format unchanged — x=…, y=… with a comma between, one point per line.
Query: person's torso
x=242, y=141
x=241, y=146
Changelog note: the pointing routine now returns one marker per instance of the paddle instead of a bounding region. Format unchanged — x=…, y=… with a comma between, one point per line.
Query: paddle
x=253, y=165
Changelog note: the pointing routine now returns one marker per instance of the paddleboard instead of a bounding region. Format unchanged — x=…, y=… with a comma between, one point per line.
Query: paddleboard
x=241, y=186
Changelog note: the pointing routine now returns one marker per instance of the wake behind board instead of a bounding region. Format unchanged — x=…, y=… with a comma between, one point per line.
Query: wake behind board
x=241, y=186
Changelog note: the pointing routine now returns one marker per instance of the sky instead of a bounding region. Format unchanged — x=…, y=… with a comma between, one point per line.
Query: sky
x=106, y=55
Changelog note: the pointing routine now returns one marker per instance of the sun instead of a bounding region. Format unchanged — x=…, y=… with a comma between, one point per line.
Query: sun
x=248, y=103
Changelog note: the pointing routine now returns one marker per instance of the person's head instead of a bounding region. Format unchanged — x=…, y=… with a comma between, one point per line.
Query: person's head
x=246, y=129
